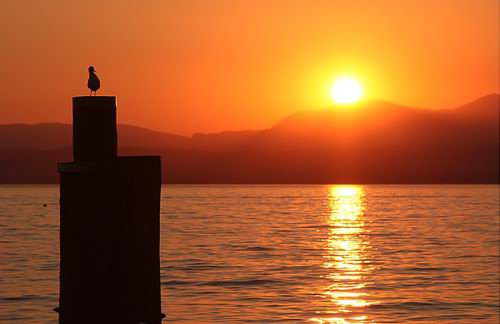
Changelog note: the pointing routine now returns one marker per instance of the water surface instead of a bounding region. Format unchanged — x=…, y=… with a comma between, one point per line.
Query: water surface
x=297, y=254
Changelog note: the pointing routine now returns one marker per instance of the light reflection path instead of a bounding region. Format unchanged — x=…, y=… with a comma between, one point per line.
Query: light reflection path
x=347, y=257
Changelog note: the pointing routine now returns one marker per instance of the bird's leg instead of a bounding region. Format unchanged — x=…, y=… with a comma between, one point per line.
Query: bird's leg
x=90, y=93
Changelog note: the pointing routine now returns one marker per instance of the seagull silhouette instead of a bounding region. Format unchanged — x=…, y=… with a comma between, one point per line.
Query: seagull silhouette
x=94, y=84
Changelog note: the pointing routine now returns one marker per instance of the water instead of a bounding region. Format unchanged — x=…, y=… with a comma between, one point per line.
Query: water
x=297, y=254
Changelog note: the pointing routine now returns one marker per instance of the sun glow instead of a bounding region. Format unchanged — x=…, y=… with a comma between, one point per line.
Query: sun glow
x=346, y=90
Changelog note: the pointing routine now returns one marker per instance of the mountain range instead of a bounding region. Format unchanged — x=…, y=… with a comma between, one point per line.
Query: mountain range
x=371, y=142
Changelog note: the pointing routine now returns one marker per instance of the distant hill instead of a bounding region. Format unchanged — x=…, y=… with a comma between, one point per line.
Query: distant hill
x=49, y=136
x=380, y=124
x=225, y=141
x=482, y=108
x=375, y=142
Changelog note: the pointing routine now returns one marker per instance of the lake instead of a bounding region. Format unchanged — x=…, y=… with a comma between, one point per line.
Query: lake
x=296, y=254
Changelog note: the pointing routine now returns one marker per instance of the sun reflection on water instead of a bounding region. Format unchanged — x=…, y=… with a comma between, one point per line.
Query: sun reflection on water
x=347, y=254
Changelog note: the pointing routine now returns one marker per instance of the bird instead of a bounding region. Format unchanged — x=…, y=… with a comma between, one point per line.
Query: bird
x=93, y=84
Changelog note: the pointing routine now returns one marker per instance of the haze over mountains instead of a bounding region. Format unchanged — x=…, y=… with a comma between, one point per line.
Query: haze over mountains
x=374, y=142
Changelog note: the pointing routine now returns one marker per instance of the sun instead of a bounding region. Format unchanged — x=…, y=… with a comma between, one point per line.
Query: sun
x=346, y=90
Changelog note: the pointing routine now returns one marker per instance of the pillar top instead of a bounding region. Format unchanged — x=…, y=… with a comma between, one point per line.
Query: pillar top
x=94, y=101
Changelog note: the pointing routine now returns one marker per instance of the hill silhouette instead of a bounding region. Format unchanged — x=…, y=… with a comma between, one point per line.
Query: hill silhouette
x=379, y=123
x=374, y=142
x=49, y=136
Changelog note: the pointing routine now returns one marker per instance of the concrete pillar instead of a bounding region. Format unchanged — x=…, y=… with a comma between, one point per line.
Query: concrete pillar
x=109, y=225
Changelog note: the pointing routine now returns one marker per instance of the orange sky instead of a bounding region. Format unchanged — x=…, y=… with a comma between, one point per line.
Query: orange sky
x=190, y=66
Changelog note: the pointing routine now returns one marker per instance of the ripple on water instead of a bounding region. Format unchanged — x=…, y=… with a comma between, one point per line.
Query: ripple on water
x=262, y=254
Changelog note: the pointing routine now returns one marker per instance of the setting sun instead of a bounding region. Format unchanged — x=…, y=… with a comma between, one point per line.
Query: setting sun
x=346, y=90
